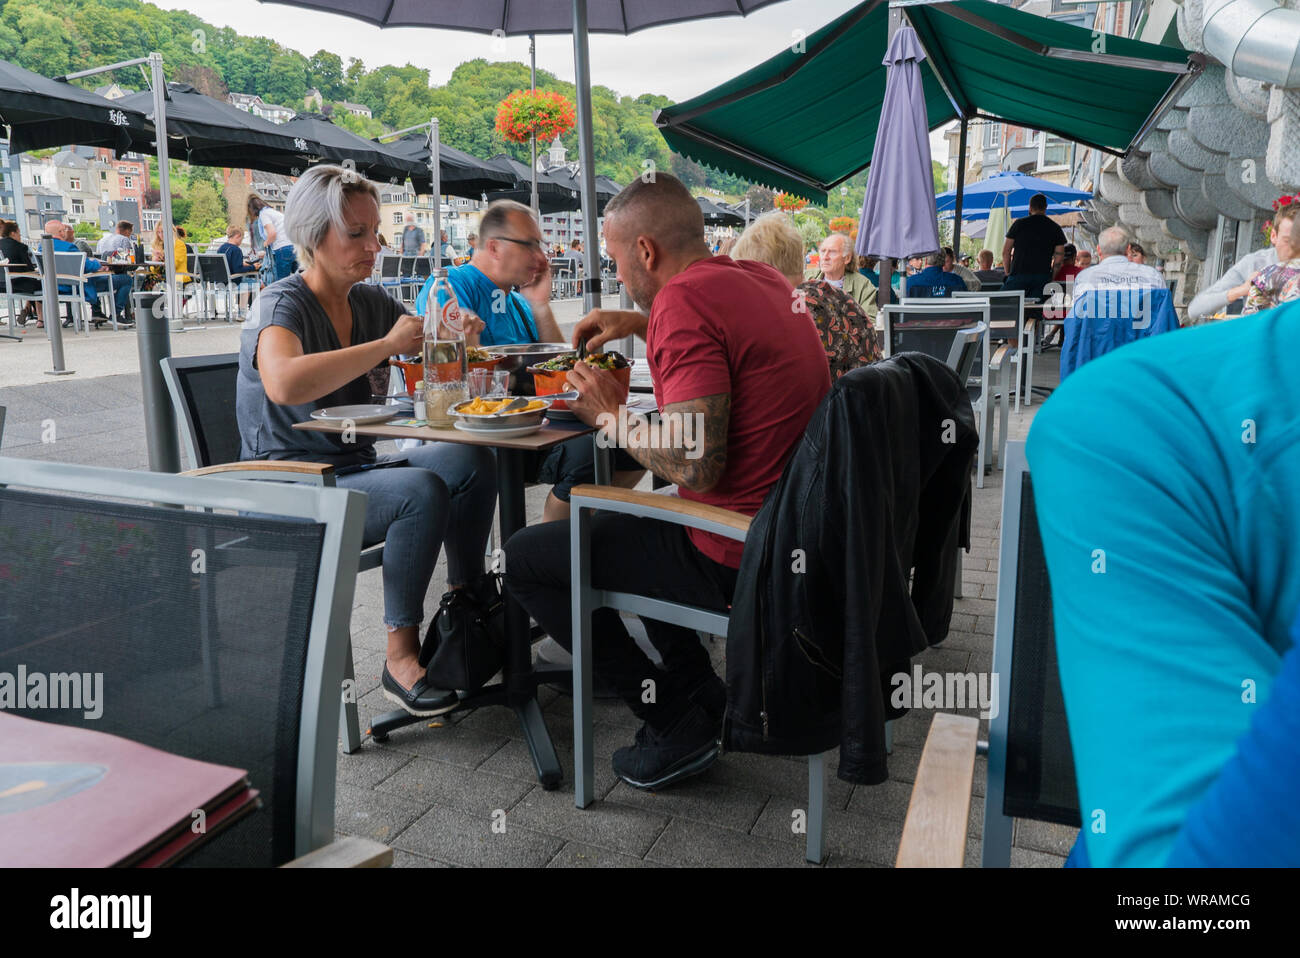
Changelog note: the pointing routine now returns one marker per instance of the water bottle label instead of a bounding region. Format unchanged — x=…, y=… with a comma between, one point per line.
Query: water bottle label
x=451, y=318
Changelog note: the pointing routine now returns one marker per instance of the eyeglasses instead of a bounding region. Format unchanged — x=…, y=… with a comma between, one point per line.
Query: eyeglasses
x=534, y=245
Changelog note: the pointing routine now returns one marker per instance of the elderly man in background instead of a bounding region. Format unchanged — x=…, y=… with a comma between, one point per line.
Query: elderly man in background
x=1235, y=284
x=833, y=259
x=1115, y=268
x=933, y=280
x=102, y=282
x=986, y=272
x=848, y=334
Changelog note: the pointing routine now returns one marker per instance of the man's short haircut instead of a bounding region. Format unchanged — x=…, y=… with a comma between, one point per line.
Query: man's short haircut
x=316, y=203
x=772, y=239
x=662, y=208
x=1137, y=248
x=125, y=226
x=1286, y=214
x=986, y=258
x=1038, y=203
x=234, y=231
x=1113, y=241
x=936, y=258
x=496, y=221
x=1070, y=251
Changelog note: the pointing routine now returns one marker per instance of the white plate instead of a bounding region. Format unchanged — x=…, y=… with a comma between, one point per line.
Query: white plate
x=356, y=414
x=512, y=433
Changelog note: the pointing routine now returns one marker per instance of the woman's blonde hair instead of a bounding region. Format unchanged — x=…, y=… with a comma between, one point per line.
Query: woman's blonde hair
x=316, y=203
x=772, y=239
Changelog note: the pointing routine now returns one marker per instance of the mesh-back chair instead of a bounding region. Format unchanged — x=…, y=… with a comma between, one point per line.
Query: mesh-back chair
x=202, y=391
x=114, y=589
x=1007, y=316
x=930, y=328
x=214, y=276
x=390, y=273
x=71, y=269
x=1030, y=762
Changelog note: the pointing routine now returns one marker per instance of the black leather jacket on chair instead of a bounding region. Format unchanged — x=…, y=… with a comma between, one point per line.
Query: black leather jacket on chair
x=823, y=612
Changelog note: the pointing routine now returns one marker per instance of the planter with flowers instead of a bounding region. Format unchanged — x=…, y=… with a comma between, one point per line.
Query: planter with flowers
x=788, y=203
x=1278, y=204
x=527, y=113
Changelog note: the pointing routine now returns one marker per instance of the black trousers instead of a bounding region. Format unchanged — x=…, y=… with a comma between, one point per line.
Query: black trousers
x=645, y=557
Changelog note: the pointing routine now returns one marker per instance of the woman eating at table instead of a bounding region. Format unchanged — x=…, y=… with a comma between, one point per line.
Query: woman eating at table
x=293, y=361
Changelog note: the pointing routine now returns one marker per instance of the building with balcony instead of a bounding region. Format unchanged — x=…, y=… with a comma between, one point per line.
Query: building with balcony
x=255, y=105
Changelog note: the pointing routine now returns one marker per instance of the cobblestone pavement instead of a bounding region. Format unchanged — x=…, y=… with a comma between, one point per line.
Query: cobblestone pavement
x=433, y=793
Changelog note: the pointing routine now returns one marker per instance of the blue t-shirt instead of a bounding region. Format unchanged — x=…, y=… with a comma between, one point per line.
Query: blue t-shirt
x=1165, y=479
x=933, y=281
x=235, y=257
x=507, y=315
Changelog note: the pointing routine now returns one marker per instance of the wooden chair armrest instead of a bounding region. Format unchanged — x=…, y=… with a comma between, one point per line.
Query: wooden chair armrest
x=291, y=467
x=350, y=852
x=667, y=505
x=999, y=356
x=934, y=835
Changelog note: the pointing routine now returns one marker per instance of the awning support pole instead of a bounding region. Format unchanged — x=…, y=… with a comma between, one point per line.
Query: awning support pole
x=961, y=188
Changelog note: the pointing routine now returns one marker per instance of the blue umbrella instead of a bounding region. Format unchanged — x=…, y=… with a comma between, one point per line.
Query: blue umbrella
x=898, y=213
x=1016, y=212
x=1008, y=188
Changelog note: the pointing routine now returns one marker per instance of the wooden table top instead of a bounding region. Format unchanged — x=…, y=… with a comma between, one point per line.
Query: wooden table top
x=548, y=436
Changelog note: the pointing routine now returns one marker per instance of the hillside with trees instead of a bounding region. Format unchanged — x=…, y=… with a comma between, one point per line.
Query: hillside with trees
x=78, y=34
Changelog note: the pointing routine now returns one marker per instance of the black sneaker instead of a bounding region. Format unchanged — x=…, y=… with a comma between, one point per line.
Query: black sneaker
x=421, y=698
x=658, y=759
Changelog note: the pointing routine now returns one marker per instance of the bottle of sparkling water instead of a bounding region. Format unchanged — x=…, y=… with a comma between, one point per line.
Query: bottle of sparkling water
x=444, y=352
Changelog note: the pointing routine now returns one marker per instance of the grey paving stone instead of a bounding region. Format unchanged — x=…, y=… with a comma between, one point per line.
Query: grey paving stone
x=861, y=837
x=765, y=774
x=514, y=761
x=449, y=743
x=1024, y=858
x=943, y=660
x=476, y=793
x=887, y=800
x=1045, y=837
x=606, y=711
x=699, y=799
x=403, y=859
x=370, y=765
x=607, y=824
x=843, y=861
x=574, y=855
x=371, y=814
x=696, y=844
x=447, y=835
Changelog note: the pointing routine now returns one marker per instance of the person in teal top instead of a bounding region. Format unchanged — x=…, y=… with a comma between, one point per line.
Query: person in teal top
x=1167, y=482
x=507, y=283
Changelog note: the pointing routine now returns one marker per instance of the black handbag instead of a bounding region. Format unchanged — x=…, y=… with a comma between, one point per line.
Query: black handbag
x=465, y=643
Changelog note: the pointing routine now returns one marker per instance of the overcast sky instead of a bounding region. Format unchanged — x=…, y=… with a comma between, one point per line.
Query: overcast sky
x=678, y=61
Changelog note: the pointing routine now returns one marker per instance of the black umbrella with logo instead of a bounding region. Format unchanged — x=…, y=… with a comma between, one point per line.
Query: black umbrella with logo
x=41, y=113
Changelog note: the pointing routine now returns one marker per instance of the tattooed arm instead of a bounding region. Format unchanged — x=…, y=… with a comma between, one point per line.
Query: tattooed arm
x=693, y=456
x=689, y=444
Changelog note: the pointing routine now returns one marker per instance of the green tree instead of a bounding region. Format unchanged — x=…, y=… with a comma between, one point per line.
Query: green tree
x=44, y=49
x=206, y=217
x=325, y=73
x=87, y=231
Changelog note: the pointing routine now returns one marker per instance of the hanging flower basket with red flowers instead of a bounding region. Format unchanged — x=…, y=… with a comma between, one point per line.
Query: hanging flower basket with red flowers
x=788, y=203
x=843, y=224
x=528, y=112
x=1279, y=203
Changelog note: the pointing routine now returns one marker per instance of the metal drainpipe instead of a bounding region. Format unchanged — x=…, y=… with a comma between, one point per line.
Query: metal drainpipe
x=1256, y=39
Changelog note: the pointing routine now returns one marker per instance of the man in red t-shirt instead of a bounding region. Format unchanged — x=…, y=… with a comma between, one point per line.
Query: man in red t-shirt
x=739, y=369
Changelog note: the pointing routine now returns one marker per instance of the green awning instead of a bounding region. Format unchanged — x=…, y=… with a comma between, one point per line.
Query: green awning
x=806, y=119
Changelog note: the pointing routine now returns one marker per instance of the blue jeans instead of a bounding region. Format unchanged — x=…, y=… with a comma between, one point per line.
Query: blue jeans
x=100, y=283
x=284, y=261
x=445, y=494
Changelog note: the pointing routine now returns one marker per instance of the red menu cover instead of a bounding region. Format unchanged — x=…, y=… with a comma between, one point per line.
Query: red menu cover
x=70, y=797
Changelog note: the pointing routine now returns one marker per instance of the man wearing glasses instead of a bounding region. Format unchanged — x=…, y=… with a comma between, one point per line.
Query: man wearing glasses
x=509, y=254
x=507, y=282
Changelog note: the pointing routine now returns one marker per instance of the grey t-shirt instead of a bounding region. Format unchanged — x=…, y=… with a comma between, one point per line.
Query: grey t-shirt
x=266, y=428
x=412, y=240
